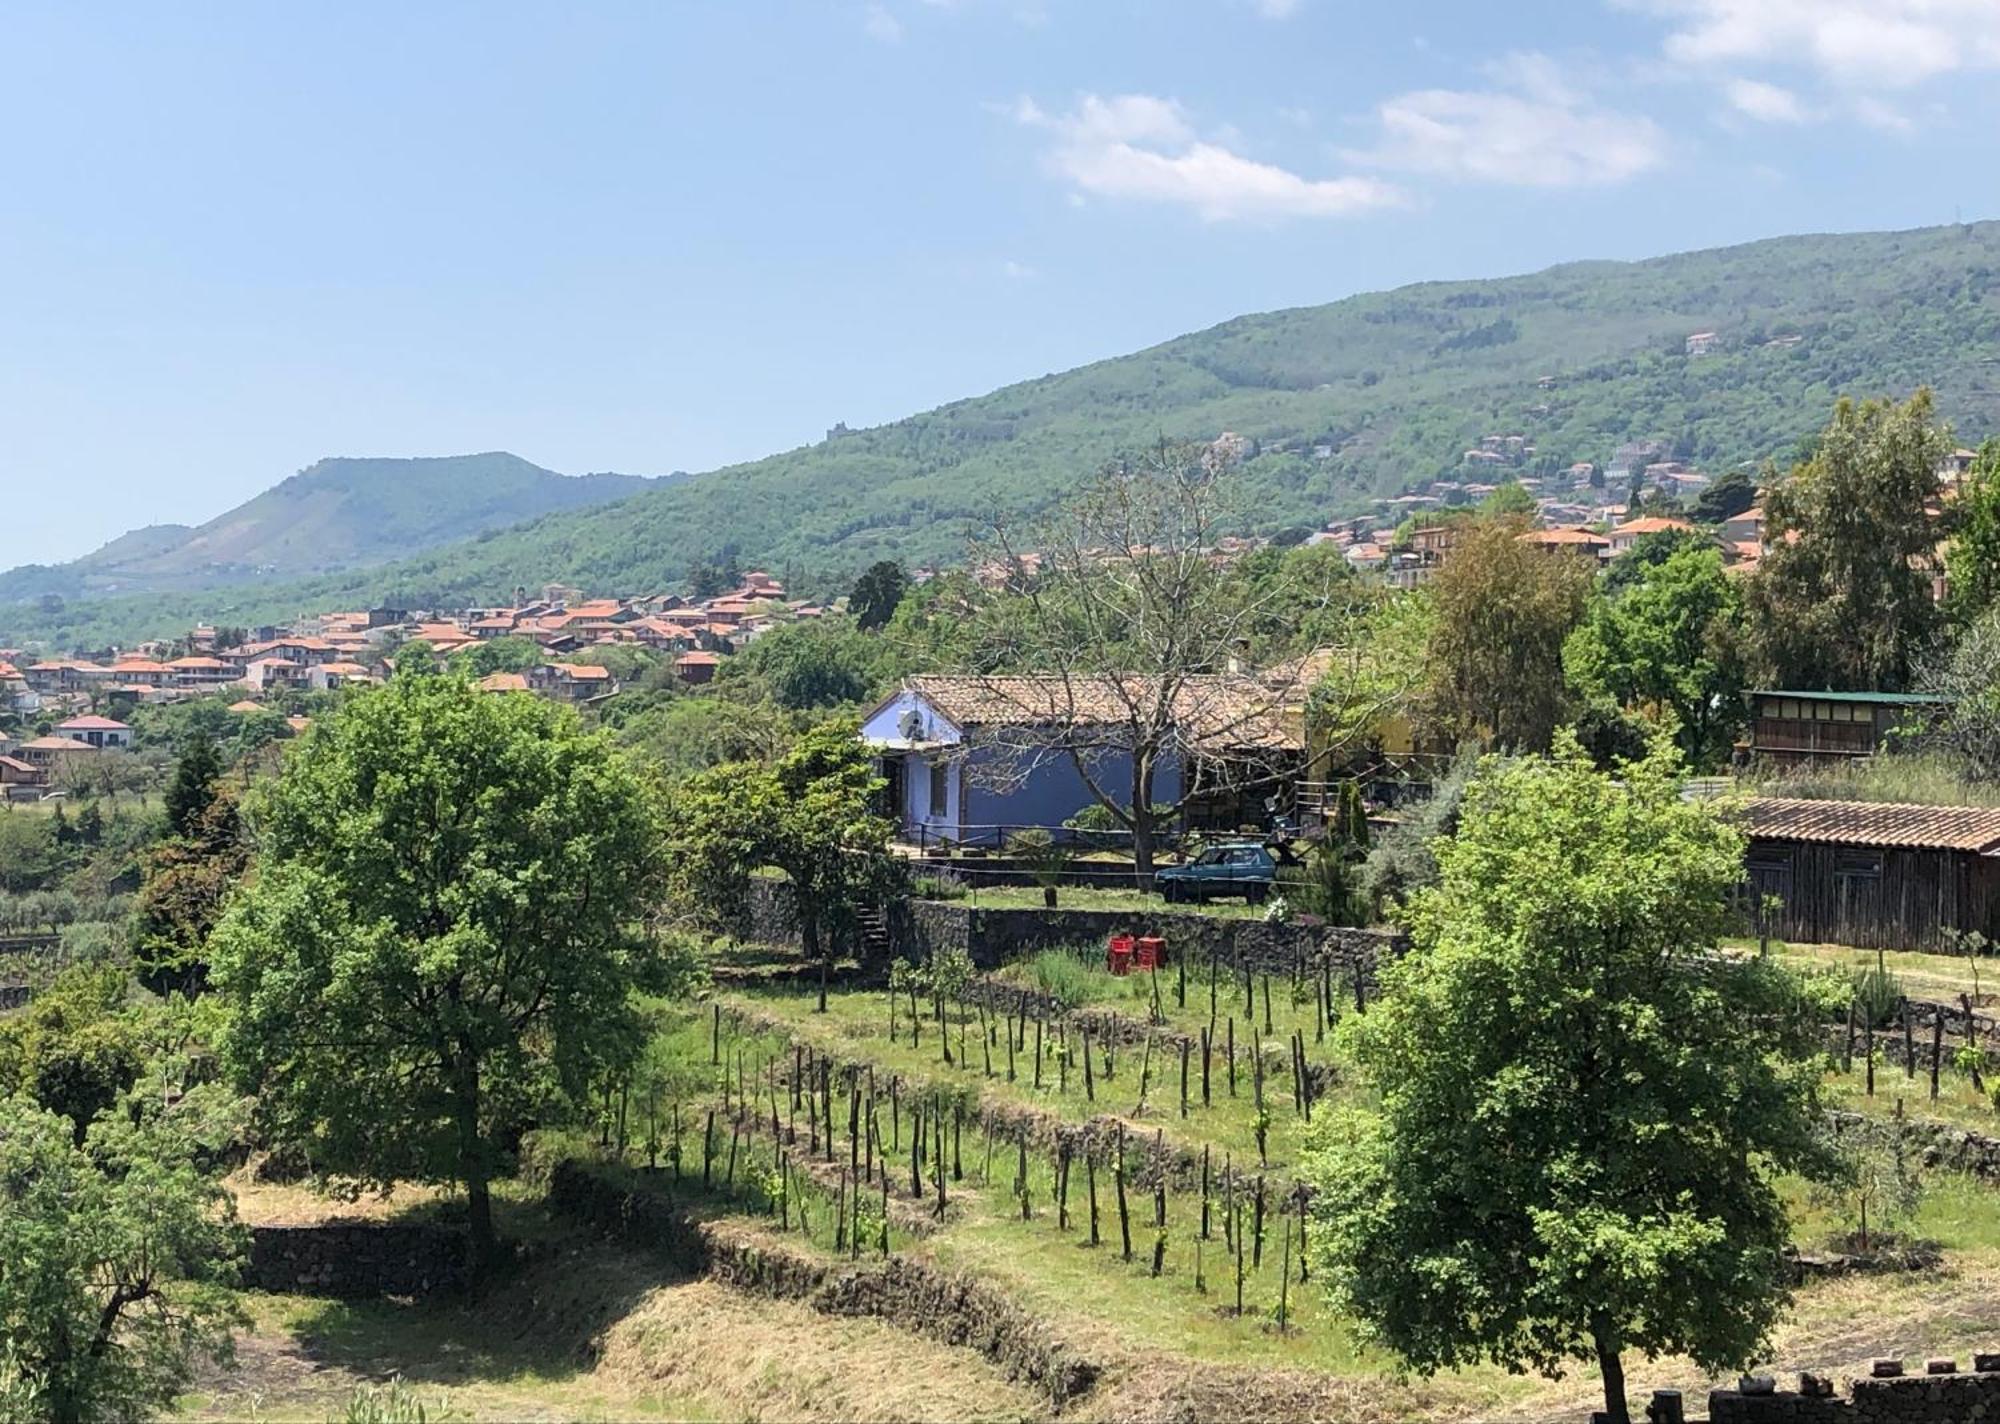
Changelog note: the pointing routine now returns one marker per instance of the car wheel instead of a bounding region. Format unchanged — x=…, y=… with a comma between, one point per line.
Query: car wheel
x=1170, y=892
x=1256, y=894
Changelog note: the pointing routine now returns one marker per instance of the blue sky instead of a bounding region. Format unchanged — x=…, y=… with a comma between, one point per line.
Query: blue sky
x=235, y=238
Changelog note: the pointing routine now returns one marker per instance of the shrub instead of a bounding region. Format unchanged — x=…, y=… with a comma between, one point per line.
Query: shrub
x=391, y=1403
x=1401, y=860
x=1878, y=995
x=1324, y=885
x=1068, y=976
x=939, y=885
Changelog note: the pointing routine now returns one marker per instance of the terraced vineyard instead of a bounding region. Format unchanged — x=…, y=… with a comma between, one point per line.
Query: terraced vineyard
x=927, y=1160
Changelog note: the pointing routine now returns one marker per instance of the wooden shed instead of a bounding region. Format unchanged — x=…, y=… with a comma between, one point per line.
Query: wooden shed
x=1873, y=874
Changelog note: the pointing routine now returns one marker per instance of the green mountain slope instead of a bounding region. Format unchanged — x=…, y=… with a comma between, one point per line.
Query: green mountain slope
x=338, y=514
x=1395, y=384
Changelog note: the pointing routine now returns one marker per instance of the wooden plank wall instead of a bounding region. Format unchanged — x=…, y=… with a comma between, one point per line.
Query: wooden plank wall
x=1918, y=896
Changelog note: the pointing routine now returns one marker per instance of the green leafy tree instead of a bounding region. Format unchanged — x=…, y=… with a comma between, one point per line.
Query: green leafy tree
x=121, y=1254
x=1509, y=498
x=1648, y=551
x=499, y=655
x=876, y=595
x=1725, y=498
x=810, y=665
x=196, y=771
x=812, y=815
x=189, y=878
x=1578, y=1140
x=75, y=1050
x=1974, y=559
x=1842, y=598
x=1965, y=675
x=680, y=736
x=443, y=937
x=1501, y=611
x=1670, y=642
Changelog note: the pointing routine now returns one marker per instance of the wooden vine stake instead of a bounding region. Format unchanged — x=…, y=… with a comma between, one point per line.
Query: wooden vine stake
x=1232, y=1057
x=1972, y=1043
x=1124, y=1215
x=1937, y=1047
x=1022, y=1174
x=1285, y=1279
x=1159, y=1203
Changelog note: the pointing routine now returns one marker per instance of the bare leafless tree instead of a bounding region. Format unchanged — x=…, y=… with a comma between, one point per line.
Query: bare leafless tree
x=1126, y=642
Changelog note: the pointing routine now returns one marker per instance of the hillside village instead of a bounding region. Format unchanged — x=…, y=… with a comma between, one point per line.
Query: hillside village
x=1290, y=713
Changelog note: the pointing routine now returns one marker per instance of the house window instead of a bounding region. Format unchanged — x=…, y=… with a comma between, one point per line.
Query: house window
x=1768, y=860
x=1858, y=865
x=940, y=787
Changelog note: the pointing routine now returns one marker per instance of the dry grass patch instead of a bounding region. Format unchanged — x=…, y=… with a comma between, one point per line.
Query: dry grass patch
x=754, y=1358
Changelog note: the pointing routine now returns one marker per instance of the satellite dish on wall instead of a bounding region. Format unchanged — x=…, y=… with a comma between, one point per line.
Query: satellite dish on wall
x=911, y=725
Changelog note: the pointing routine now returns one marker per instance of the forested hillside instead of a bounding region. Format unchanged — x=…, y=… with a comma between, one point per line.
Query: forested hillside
x=1366, y=397
x=334, y=515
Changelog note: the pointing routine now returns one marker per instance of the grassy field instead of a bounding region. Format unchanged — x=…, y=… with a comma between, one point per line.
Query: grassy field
x=1923, y=976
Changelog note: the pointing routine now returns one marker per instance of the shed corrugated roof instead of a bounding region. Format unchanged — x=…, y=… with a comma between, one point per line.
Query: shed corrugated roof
x=1914, y=699
x=1873, y=823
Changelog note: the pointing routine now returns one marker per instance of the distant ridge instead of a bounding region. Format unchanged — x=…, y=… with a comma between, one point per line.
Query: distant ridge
x=338, y=514
x=1361, y=398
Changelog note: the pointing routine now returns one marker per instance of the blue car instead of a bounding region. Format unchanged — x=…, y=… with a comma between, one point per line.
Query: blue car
x=1237, y=868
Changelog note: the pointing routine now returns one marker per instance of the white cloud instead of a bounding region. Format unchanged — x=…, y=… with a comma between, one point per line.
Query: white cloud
x=1878, y=115
x=881, y=25
x=1144, y=149
x=1755, y=99
x=1870, y=44
x=1018, y=271
x=1538, y=129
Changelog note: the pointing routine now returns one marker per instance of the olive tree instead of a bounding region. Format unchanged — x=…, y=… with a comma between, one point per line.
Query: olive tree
x=120, y=1255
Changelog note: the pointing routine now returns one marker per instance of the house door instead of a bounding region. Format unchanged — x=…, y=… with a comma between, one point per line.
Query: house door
x=893, y=800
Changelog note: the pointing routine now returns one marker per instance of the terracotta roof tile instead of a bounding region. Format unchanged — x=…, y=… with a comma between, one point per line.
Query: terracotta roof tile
x=1215, y=712
x=1870, y=823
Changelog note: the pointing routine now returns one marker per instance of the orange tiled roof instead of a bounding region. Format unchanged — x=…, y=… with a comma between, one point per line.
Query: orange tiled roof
x=1652, y=524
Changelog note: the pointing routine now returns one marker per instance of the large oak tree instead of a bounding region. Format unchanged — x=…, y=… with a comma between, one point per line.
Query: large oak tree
x=443, y=935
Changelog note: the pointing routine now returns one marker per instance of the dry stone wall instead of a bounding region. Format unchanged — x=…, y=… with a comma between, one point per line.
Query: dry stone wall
x=1940, y=1394
x=992, y=937
x=357, y=1260
x=910, y=1294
